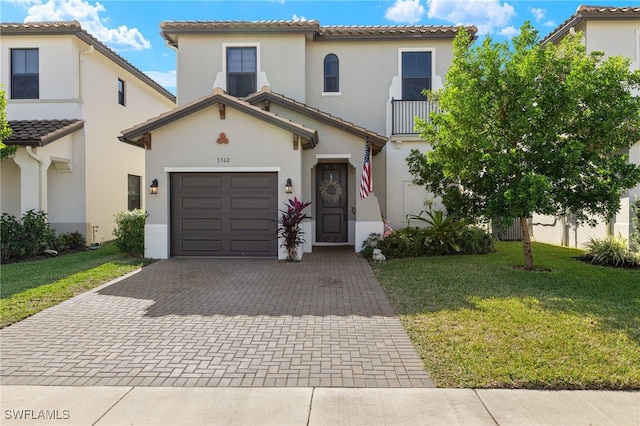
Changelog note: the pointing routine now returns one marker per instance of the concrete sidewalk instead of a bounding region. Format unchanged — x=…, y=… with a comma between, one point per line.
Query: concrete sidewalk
x=67, y=405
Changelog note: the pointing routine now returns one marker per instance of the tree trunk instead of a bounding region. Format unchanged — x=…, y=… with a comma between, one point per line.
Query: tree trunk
x=526, y=244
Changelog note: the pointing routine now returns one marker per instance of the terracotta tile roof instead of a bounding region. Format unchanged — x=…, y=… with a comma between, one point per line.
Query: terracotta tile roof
x=430, y=31
x=40, y=132
x=74, y=28
x=135, y=134
x=584, y=13
x=377, y=140
x=171, y=28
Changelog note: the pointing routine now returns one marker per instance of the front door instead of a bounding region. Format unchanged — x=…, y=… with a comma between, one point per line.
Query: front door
x=331, y=203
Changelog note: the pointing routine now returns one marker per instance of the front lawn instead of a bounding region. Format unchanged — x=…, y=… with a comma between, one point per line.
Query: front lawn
x=30, y=287
x=478, y=322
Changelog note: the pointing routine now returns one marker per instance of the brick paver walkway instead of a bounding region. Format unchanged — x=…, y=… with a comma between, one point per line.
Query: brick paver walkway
x=221, y=322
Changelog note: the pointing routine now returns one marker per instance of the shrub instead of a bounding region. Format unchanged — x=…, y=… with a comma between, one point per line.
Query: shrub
x=634, y=240
x=611, y=251
x=70, y=241
x=26, y=237
x=444, y=236
x=129, y=232
x=370, y=244
x=11, y=231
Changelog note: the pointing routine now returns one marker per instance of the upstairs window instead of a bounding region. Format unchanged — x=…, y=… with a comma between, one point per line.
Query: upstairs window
x=133, y=192
x=241, y=71
x=25, y=77
x=331, y=73
x=121, y=92
x=416, y=75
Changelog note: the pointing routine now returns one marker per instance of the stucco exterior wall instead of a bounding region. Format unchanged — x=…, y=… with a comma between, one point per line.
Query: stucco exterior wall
x=190, y=144
x=370, y=76
x=109, y=161
x=85, y=173
x=200, y=66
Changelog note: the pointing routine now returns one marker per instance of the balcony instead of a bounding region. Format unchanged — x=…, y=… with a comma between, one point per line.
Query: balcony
x=403, y=114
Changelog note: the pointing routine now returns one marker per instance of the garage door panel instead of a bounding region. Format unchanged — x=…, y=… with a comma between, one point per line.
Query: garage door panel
x=250, y=181
x=251, y=203
x=193, y=224
x=243, y=224
x=201, y=247
x=224, y=214
x=200, y=203
x=201, y=180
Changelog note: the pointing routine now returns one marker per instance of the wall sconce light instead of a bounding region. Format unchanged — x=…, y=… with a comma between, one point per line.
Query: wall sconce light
x=153, y=188
x=288, y=187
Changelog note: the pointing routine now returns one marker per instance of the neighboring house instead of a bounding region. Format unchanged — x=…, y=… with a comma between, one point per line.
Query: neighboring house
x=615, y=31
x=265, y=104
x=68, y=98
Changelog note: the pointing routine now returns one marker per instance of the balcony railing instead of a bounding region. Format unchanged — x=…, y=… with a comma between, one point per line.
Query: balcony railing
x=403, y=114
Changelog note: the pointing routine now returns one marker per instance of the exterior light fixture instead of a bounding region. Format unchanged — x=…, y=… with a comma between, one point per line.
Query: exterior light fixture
x=288, y=187
x=153, y=188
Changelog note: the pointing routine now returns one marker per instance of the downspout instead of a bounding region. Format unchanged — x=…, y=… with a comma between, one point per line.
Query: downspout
x=82, y=54
x=42, y=193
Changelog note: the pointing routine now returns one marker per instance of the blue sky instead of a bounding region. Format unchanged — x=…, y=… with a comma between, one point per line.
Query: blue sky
x=132, y=29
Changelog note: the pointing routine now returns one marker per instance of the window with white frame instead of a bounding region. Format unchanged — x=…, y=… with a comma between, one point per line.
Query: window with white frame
x=25, y=74
x=241, y=71
x=331, y=73
x=416, y=74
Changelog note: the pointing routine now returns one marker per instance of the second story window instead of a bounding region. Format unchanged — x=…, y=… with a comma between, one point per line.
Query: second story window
x=121, y=92
x=416, y=75
x=25, y=74
x=331, y=73
x=241, y=71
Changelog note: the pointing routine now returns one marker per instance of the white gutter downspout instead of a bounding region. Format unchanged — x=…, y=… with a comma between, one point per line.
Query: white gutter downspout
x=82, y=54
x=42, y=193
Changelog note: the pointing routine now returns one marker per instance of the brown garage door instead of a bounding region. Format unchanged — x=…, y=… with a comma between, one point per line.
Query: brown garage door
x=224, y=214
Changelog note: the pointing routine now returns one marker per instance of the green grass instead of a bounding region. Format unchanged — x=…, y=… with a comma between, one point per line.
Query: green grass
x=478, y=322
x=27, y=288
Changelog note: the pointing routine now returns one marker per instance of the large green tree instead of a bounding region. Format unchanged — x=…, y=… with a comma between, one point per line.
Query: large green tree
x=528, y=128
x=5, y=130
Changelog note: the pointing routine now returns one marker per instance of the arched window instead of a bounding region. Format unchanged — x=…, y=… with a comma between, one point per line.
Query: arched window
x=331, y=72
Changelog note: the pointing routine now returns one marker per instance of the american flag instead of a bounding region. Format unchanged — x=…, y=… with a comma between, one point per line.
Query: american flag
x=366, y=183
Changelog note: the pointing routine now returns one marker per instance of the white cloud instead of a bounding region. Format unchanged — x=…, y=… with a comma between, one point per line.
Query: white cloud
x=509, y=31
x=551, y=23
x=298, y=18
x=164, y=79
x=409, y=11
x=538, y=13
x=484, y=14
x=120, y=38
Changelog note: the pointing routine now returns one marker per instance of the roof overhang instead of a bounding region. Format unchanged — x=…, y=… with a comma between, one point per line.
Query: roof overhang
x=591, y=13
x=37, y=133
x=377, y=141
x=136, y=134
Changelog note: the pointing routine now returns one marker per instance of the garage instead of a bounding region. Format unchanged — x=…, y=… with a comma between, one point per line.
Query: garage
x=224, y=214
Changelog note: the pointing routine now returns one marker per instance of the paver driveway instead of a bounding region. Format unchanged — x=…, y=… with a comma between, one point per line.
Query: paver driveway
x=221, y=322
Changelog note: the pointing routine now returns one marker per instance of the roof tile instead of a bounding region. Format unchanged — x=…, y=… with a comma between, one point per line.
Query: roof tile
x=40, y=132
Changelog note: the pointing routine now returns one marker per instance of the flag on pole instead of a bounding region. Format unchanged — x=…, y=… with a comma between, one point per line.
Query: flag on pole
x=366, y=182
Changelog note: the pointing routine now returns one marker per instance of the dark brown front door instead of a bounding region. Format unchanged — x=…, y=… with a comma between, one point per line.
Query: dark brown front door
x=331, y=202
x=224, y=214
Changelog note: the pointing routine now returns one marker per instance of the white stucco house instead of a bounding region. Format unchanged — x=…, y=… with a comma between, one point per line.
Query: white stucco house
x=272, y=110
x=615, y=31
x=68, y=98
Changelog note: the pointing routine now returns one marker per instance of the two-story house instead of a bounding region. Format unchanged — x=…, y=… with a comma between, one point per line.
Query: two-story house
x=272, y=110
x=68, y=98
x=615, y=31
